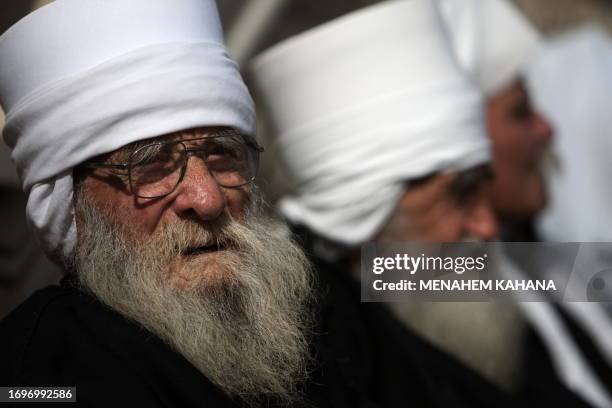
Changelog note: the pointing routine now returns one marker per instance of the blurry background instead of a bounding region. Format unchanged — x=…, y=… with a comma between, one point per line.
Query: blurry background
x=251, y=26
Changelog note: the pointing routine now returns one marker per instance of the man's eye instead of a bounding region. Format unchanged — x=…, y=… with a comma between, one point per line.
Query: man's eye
x=469, y=184
x=224, y=150
x=226, y=157
x=521, y=111
x=219, y=151
x=219, y=163
x=154, y=162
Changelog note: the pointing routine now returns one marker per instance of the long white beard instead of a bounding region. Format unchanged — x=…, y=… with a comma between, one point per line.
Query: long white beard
x=241, y=316
x=485, y=336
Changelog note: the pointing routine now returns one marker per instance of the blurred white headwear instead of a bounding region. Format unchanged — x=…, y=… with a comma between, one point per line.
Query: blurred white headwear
x=362, y=105
x=492, y=40
x=79, y=78
x=572, y=83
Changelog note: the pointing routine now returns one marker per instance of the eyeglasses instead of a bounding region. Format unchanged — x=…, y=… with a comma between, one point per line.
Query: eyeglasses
x=156, y=169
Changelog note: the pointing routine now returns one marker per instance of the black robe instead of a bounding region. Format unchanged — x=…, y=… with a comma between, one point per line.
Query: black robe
x=370, y=359
x=63, y=337
x=365, y=358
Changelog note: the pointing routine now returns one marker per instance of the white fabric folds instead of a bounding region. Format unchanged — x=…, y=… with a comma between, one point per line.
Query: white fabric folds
x=148, y=85
x=362, y=105
x=571, y=84
x=493, y=41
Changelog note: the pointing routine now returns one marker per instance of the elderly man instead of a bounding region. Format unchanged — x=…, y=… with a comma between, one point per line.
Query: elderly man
x=384, y=138
x=133, y=132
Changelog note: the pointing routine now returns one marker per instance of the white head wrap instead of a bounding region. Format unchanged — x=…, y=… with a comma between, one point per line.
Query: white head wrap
x=79, y=78
x=572, y=84
x=362, y=105
x=8, y=175
x=491, y=38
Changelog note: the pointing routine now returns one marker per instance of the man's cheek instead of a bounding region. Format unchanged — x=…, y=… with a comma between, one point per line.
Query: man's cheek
x=237, y=202
x=453, y=231
x=140, y=221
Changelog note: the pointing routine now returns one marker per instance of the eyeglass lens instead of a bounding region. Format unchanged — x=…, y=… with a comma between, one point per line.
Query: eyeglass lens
x=156, y=169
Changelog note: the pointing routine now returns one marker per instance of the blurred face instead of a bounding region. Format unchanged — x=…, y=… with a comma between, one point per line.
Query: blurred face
x=199, y=267
x=444, y=208
x=519, y=137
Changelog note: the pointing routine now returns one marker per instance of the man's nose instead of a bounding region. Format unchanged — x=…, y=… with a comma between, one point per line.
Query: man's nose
x=543, y=129
x=199, y=195
x=481, y=222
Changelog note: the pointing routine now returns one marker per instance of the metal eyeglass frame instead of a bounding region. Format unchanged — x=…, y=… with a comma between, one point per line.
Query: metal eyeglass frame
x=250, y=142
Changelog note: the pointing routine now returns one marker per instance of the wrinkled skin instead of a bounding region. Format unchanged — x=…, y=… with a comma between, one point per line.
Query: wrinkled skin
x=198, y=197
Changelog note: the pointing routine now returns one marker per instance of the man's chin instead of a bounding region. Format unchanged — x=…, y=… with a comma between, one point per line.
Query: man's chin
x=521, y=197
x=534, y=198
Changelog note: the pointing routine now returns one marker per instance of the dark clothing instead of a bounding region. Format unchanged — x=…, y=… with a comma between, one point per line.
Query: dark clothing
x=24, y=268
x=519, y=231
x=539, y=364
x=589, y=349
x=365, y=358
x=62, y=337
x=540, y=380
x=540, y=372
x=370, y=360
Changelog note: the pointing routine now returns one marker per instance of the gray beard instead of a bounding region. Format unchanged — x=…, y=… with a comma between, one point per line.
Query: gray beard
x=241, y=316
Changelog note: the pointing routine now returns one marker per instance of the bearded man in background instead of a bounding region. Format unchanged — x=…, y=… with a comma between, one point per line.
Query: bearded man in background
x=384, y=136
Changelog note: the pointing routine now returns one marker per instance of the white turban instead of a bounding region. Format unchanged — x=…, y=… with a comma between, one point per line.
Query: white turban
x=572, y=83
x=491, y=38
x=79, y=78
x=362, y=105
